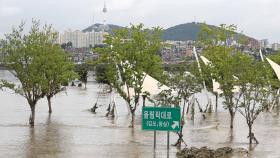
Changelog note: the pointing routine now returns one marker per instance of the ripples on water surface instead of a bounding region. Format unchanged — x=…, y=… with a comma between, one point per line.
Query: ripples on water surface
x=72, y=131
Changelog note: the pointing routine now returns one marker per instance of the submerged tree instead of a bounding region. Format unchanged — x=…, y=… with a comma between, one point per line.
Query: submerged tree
x=184, y=84
x=225, y=61
x=100, y=72
x=58, y=71
x=254, y=91
x=82, y=70
x=131, y=54
x=26, y=56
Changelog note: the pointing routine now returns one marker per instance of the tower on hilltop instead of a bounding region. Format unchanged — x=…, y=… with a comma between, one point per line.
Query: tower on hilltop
x=104, y=10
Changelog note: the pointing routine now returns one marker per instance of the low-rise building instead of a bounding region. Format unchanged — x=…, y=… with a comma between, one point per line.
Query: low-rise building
x=81, y=39
x=264, y=43
x=275, y=46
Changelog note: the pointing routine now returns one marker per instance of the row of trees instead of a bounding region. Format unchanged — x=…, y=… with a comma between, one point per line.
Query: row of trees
x=43, y=69
x=246, y=83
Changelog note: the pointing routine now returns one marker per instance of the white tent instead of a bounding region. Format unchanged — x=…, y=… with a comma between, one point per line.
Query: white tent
x=204, y=85
x=153, y=86
x=205, y=60
x=275, y=67
x=216, y=85
x=261, y=55
x=150, y=85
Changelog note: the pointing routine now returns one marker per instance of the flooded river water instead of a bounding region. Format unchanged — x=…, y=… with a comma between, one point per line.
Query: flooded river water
x=73, y=132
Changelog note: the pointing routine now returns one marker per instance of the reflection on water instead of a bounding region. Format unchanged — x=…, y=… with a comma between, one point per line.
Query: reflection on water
x=47, y=141
x=72, y=131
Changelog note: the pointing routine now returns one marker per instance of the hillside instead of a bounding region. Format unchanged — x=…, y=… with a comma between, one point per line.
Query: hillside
x=189, y=31
x=181, y=32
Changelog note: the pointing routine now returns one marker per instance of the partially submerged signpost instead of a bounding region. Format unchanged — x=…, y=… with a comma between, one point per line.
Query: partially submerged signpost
x=161, y=119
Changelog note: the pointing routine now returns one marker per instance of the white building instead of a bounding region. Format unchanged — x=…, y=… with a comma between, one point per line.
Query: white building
x=275, y=46
x=264, y=43
x=81, y=39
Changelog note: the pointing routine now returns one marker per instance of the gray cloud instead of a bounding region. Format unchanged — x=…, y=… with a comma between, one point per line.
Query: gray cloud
x=257, y=18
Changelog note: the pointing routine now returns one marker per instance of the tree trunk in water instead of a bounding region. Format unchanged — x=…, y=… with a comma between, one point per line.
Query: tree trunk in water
x=32, y=116
x=230, y=109
x=144, y=100
x=250, y=134
x=179, y=141
x=132, y=119
x=277, y=105
x=216, y=94
x=210, y=107
x=112, y=113
x=180, y=134
x=192, y=111
x=108, y=110
x=231, y=117
x=50, y=104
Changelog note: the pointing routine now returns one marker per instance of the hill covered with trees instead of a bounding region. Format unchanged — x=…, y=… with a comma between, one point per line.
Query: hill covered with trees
x=181, y=32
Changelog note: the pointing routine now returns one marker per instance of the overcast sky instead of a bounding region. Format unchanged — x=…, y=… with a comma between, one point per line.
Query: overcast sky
x=257, y=18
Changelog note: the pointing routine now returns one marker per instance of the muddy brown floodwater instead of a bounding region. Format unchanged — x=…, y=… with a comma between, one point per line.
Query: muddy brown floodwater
x=73, y=132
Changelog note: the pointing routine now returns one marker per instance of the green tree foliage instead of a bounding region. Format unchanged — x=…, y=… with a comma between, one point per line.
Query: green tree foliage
x=82, y=70
x=59, y=71
x=232, y=68
x=182, y=80
x=225, y=60
x=26, y=56
x=254, y=92
x=130, y=55
x=100, y=72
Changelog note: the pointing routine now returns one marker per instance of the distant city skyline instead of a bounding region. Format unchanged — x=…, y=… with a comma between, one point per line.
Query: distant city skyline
x=256, y=18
